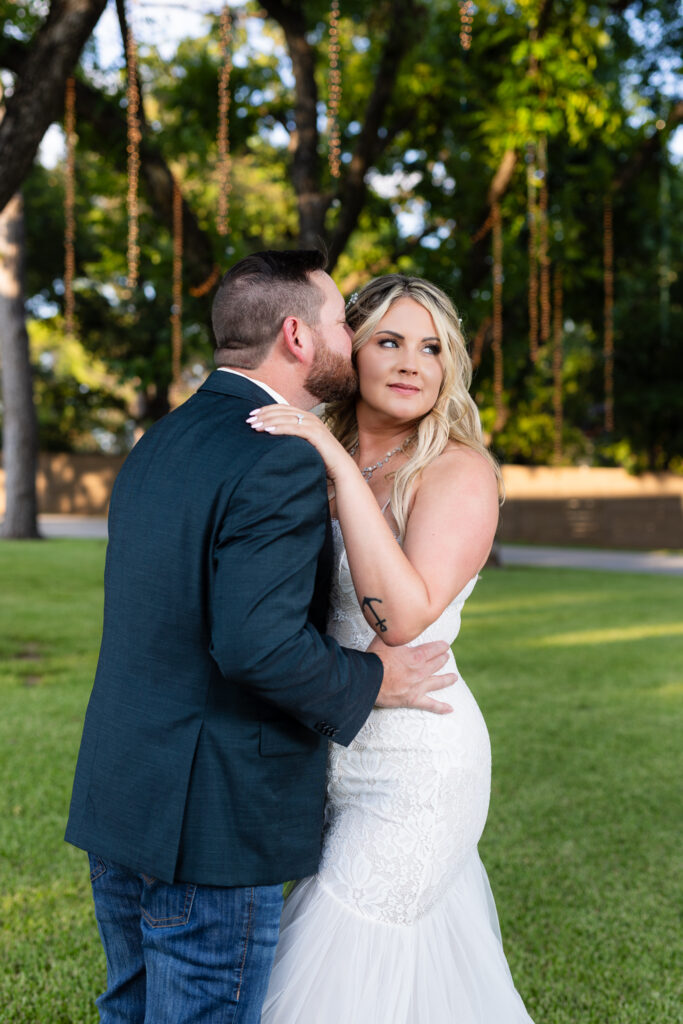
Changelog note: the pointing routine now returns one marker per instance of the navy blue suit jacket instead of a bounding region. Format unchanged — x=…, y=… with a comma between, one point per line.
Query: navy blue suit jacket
x=204, y=746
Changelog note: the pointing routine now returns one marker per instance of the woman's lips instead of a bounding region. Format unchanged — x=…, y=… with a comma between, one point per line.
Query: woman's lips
x=404, y=389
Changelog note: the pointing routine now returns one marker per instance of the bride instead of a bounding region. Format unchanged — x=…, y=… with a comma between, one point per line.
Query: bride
x=399, y=924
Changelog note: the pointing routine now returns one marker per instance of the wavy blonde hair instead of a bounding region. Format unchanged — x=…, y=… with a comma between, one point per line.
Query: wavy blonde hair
x=454, y=416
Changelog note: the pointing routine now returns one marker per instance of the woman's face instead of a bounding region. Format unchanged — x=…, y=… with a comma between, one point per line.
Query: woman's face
x=400, y=367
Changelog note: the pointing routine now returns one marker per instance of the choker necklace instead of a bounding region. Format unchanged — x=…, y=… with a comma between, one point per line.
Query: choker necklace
x=367, y=471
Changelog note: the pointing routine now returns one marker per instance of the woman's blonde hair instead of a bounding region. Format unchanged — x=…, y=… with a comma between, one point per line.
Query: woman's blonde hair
x=454, y=415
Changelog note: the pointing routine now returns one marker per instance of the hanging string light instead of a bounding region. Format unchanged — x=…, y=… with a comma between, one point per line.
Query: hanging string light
x=558, y=319
x=69, y=206
x=466, y=20
x=483, y=231
x=532, y=218
x=198, y=290
x=177, y=307
x=608, y=251
x=666, y=277
x=533, y=212
x=478, y=343
x=543, y=249
x=134, y=137
x=335, y=91
x=223, y=138
x=497, y=343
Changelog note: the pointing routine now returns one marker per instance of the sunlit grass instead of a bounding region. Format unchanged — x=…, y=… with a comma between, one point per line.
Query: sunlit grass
x=50, y=620
x=580, y=678
x=617, y=634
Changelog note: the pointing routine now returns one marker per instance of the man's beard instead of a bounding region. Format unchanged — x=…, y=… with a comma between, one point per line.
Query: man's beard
x=331, y=377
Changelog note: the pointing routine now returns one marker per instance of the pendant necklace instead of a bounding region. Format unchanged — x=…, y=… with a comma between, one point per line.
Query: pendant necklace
x=367, y=471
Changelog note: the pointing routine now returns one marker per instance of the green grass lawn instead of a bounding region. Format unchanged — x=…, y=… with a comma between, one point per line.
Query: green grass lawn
x=580, y=678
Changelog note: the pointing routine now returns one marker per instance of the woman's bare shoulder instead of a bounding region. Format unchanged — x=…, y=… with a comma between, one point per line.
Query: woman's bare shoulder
x=458, y=463
x=454, y=516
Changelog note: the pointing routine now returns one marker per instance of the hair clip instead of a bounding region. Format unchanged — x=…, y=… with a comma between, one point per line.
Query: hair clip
x=352, y=298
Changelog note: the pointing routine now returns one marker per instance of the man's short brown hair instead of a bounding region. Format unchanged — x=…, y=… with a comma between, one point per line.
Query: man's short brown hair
x=255, y=297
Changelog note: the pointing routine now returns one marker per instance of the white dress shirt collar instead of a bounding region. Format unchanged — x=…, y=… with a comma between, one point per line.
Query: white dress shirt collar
x=271, y=391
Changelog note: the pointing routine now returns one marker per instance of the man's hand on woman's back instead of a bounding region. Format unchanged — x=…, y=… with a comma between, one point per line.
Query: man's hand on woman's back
x=410, y=676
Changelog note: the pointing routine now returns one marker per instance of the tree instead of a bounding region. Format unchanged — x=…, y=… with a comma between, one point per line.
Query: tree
x=431, y=136
x=19, y=421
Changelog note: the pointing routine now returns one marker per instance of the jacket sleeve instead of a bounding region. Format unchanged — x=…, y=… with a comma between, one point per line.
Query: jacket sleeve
x=264, y=567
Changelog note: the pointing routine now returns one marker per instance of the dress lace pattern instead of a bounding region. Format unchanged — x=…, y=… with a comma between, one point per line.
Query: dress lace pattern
x=407, y=800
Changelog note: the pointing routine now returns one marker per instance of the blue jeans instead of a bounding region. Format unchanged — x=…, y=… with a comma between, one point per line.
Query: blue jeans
x=183, y=954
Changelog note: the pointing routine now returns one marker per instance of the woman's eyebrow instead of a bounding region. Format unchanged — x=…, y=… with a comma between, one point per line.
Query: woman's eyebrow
x=395, y=334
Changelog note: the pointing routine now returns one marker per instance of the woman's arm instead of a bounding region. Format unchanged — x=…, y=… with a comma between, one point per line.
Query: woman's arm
x=448, y=537
x=402, y=590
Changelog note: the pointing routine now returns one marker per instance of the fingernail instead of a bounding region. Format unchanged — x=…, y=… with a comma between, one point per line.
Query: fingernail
x=254, y=411
x=269, y=430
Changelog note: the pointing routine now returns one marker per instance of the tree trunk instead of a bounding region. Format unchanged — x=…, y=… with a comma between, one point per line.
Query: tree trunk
x=306, y=164
x=153, y=403
x=20, y=428
x=312, y=199
x=400, y=37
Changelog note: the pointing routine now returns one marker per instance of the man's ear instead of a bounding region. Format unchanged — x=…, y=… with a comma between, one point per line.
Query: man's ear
x=297, y=339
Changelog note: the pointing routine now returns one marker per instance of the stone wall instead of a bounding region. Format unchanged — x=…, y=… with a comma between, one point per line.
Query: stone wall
x=595, y=507
x=72, y=484
x=544, y=505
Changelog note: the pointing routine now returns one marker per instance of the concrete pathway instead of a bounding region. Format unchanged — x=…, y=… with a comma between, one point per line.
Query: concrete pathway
x=511, y=554
x=73, y=526
x=585, y=558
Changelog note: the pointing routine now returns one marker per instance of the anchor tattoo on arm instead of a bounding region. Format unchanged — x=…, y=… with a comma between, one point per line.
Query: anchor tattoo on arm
x=380, y=624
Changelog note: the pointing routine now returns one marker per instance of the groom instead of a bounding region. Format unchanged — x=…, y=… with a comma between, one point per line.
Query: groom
x=200, y=781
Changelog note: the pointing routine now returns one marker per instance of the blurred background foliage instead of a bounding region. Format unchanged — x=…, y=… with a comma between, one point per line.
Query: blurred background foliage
x=600, y=81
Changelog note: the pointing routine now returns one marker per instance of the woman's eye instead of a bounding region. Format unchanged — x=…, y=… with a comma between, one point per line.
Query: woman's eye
x=433, y=350
x=388, y=342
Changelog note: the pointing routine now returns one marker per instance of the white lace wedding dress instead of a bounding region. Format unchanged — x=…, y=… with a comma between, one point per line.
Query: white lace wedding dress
x=399, y=925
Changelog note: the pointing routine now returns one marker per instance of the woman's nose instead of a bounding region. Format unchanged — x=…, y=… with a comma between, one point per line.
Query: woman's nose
x=407, y=363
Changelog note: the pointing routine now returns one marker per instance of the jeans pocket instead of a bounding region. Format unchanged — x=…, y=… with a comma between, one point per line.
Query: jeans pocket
x=97, y=866
x=166, y=906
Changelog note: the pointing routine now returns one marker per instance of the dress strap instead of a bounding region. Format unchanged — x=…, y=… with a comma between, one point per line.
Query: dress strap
x=383, y=509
